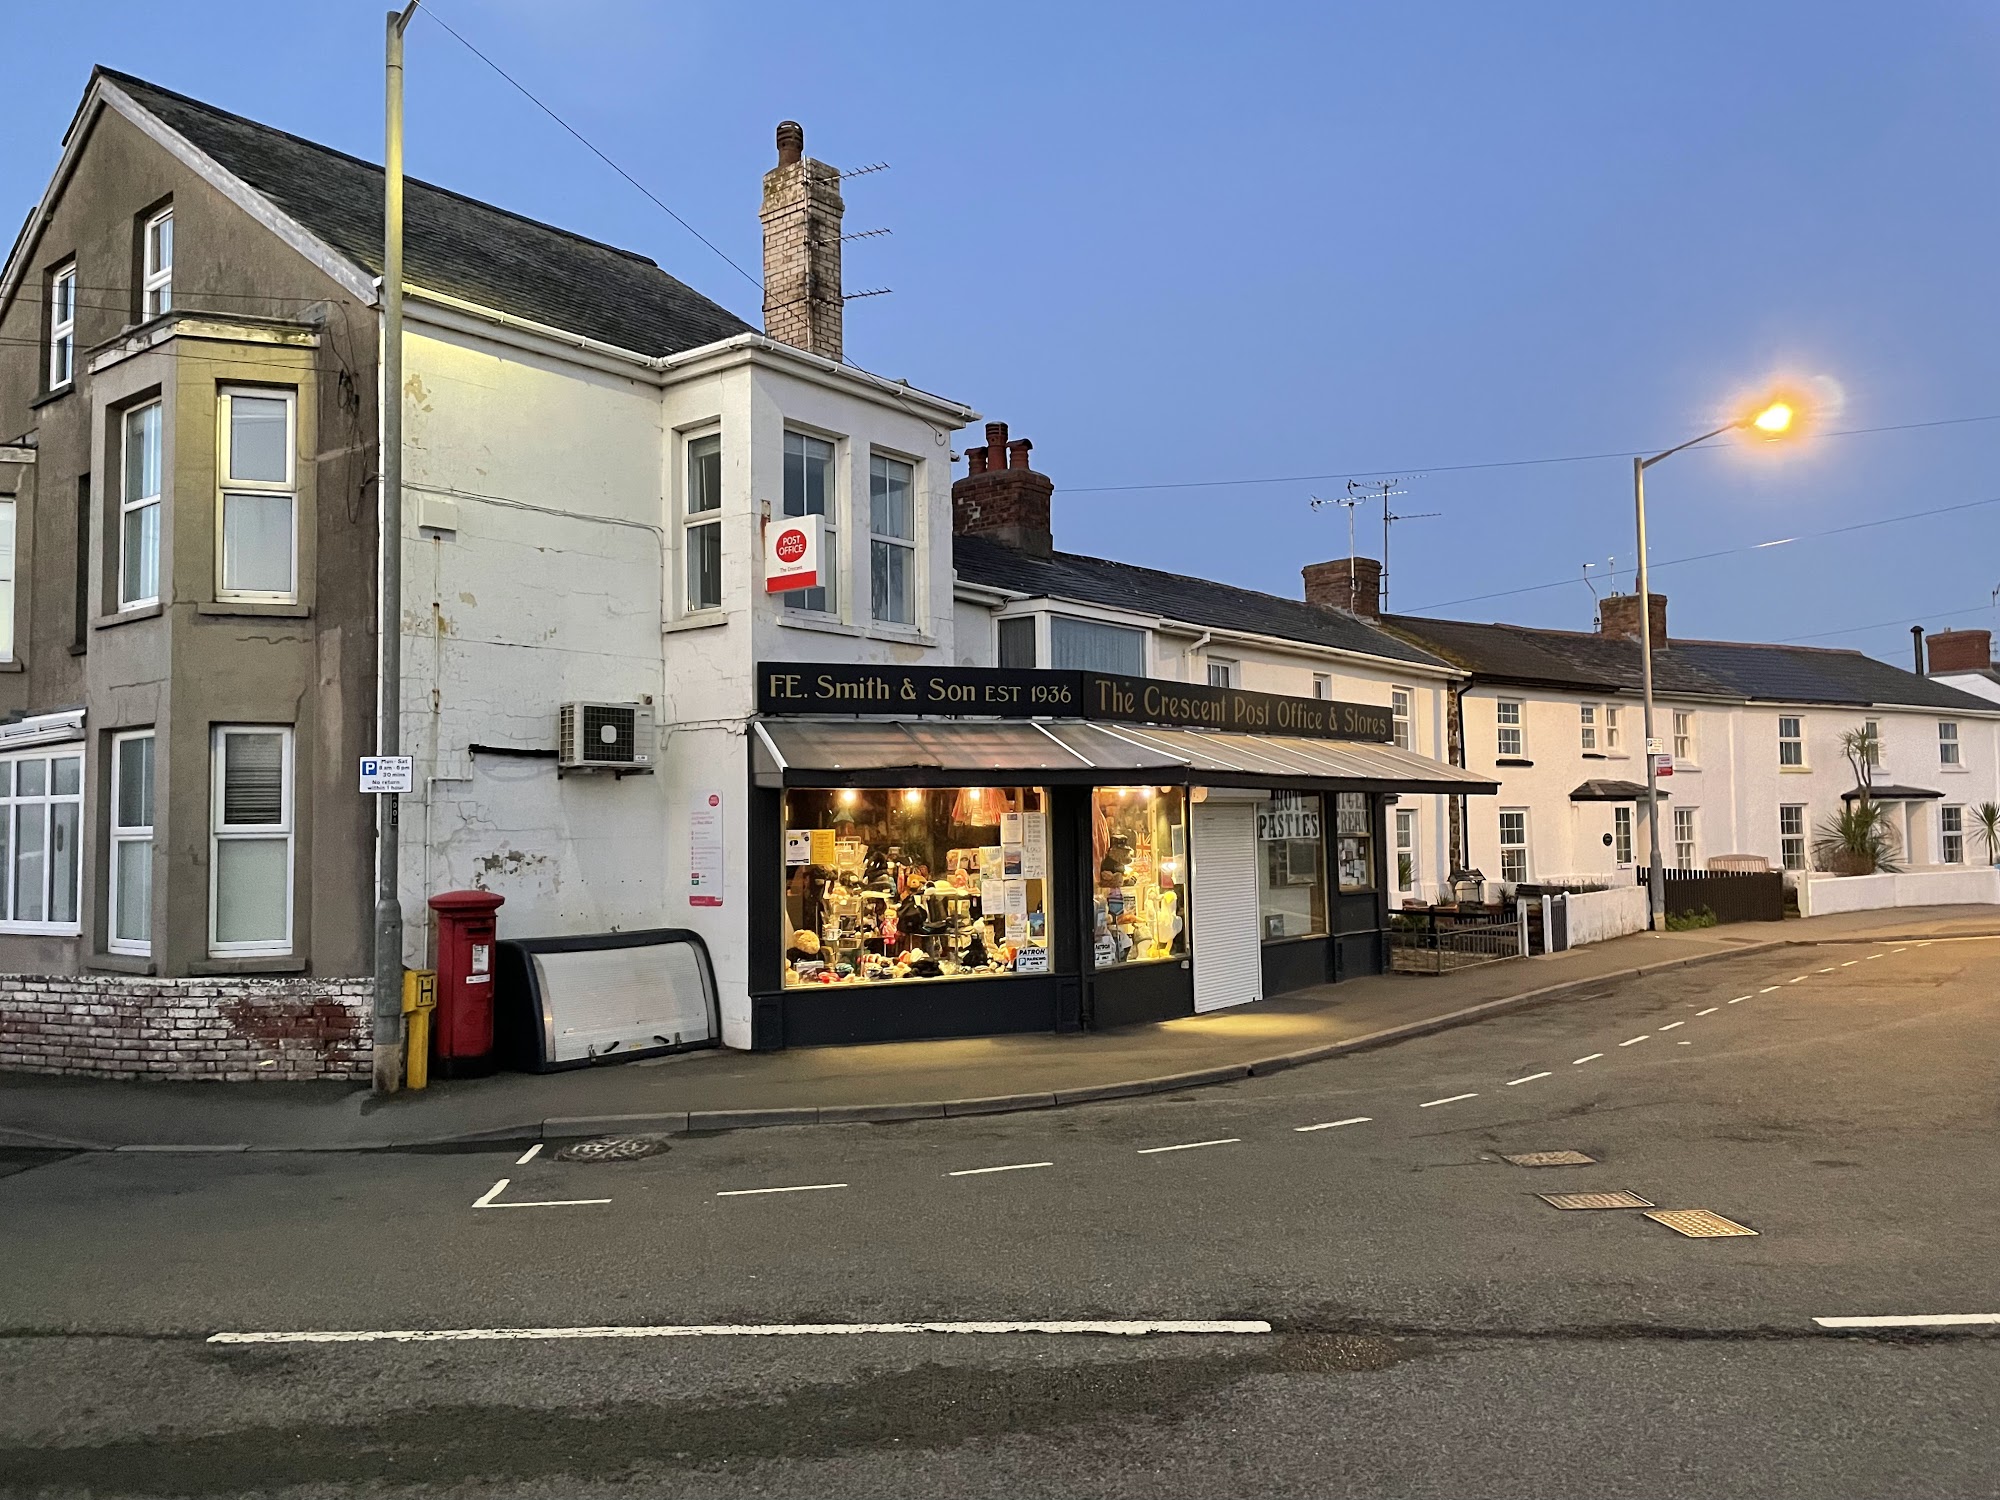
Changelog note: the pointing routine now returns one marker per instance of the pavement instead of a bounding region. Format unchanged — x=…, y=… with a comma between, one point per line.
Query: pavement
x=720, y=1089
x=717, y=1319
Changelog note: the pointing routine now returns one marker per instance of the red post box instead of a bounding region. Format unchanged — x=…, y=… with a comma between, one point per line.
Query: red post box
x=463, y=1027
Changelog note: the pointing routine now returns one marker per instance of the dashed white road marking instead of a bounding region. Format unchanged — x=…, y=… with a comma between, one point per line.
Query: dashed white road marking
x=489, y=1199
x=1228, y=1140
x=485, y=1199
x=1914, y=1320
x=1829, y=968
x=1800, y=980
x=529, y=1155
x=1124, y=1328
x=1764, y=991
x=1892, y=950
x=810, y=1187
x=1592, y=1058
x=1874, y=955
x=1672, y=1024
x=1683, y=1044
x=1850, y=963
x=1710, y=1011
x=1529, y=1079
x=1433, y=1103
x=1019, y=1166
x=1335, y=1124
x=1633, y=1042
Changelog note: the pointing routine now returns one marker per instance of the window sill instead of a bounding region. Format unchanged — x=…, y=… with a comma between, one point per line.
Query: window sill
x=1594, y=755
x=121, y=963
x=127, y=616
x=1795, y=770
x=14, y=665
x=247, y=607
x=1942, y=770
x=803, y=620
x=67, y=388
x=39, y=929
x=707, y=619
x=270, y=963
x=1511, y=760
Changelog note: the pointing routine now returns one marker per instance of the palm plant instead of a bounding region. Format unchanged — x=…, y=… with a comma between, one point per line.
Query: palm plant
x=1986, y=822
x=1857, y=840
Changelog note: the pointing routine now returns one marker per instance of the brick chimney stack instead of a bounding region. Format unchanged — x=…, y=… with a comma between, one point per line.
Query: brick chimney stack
x=801, y=213
x=1349, y=583
x=1002, y=498
x=1960, y=651
x=1618, y=614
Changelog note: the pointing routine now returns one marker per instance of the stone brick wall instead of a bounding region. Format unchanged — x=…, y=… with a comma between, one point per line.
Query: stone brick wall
x=232, y=1030
x=804, y=304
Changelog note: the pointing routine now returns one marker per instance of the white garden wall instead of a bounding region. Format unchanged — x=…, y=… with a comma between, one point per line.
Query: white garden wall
x=1595, y=916
x=1823, y=895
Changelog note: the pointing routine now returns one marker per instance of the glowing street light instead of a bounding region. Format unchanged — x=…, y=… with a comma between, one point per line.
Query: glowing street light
x=1774, y=420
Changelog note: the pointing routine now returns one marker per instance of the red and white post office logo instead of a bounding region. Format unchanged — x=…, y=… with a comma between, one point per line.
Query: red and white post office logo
x=791, y=554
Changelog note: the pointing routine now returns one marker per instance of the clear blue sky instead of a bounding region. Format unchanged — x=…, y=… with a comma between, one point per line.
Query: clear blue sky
x=1177, y=243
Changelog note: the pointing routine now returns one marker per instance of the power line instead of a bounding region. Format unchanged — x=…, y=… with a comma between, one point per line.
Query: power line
x=587, y=144
x=1902, y=624
x=1506, y=463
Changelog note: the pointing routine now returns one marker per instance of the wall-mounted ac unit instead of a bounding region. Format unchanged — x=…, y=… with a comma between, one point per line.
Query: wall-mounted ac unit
x=605, y=737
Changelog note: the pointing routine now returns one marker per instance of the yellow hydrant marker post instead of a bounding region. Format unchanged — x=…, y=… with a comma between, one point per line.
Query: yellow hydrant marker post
x=420, y=998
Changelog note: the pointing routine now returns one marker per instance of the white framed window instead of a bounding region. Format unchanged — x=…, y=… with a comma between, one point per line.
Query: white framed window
x=1792, y=835
x=1621, y=834
x=62, y=326
x=1791, y=748
x=1684, y=838
x=41, y=826
x=1873, y=729
x=257, y=504
x=1587, y=725
x=1399, y=716
x=130, y=928
x=1406, y=848
x=809, y=491
x=1221, y=672
x=1951, y=834
x=701, y=525
x=1683, y=736
x=139, y=509
x=1507, y=714
x=1322, y=685
x=250, y=841
x=1096, y=647
x=892, y=540
x=1514, y=845
x=1613, y=736
x=158, y=285
x=7, y=578
x=1947, y=730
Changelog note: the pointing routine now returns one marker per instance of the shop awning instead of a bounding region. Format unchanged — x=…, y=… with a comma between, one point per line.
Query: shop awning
x=1071, y=752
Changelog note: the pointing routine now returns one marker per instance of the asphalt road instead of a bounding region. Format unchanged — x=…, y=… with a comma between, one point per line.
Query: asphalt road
x=1436, y=1328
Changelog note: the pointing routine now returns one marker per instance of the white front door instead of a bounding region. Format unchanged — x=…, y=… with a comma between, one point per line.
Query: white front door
x=1228, y=957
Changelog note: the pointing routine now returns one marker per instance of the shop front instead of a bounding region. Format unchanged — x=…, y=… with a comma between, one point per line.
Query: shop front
x=963, y=852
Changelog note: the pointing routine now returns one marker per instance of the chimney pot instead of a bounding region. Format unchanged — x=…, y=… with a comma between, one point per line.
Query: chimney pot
x=975, y=461
x=1000, y=497
x=996, y=442
x=791, y=142
x=1017, y=453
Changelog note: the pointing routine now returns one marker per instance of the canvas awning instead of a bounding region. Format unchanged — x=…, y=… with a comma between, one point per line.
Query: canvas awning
x=1072, y=752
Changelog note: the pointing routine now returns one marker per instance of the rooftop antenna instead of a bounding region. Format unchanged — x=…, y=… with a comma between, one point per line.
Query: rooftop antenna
x=1390, y=517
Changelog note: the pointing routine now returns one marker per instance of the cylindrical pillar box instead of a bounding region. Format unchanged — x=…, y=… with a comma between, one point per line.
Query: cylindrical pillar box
x=462, y=1030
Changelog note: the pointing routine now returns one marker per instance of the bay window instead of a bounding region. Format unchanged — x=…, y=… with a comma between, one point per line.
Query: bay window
x=250, y=842
x=41, y=821
x=258, y=501
x=1091, y=646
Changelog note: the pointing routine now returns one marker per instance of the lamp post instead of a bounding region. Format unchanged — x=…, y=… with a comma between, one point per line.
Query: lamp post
x=1774, y=420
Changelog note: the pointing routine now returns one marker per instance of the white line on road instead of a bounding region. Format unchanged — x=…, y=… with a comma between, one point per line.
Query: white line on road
x=1850, y=963
x=1019, y=1166
x=1529, y=1079
x=811, y=1187
x=1710, y=1011
x=1892, y=950
x=1800, y=980
x=1764, y=991
x=1336, y=1124
x=1672, y=1024
x=1228, y=1140
x=1452, y=1100
x=1635, y=1040
x=1874, y=955
x=1829, y=968
x=529, y=1155
x=1918, y=1320
x=486, y=1199
x=1127, y=1328
x=1592, y=1058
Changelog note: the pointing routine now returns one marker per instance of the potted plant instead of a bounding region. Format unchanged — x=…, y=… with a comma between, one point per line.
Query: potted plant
x=1859, y=839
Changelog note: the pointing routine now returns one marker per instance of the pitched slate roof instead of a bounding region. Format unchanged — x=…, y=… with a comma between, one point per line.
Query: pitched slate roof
x=452, y=244
x=1197, y=601
x=1572, y=660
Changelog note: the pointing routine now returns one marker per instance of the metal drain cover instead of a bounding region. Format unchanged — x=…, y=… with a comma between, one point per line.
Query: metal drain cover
x=1551, y=1159
x=614, y=1148
x=1619, y=1199
x=1699, y=1223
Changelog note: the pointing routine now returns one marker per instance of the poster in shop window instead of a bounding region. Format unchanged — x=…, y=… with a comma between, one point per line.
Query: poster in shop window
x=705, y=849
x=1034, y=846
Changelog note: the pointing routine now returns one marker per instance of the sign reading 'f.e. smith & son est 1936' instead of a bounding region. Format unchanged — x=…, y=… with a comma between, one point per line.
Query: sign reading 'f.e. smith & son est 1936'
x=1009, y=693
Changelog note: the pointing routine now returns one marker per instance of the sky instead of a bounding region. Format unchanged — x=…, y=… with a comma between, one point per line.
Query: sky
x=1218, y=261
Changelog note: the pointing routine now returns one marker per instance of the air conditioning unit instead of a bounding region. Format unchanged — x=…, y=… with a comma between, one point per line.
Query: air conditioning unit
x=605, y=737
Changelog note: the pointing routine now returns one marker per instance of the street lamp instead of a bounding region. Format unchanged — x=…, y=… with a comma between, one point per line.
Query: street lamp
x=1774, y=419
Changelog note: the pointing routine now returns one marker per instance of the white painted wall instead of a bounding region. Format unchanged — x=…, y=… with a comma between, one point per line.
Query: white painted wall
x=1596, y=916
x=1824, y=895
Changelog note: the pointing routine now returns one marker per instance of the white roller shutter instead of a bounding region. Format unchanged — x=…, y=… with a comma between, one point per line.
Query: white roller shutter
x=1228, y=960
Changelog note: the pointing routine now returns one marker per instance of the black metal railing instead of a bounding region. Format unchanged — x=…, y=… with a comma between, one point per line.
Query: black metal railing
x=1441, y=940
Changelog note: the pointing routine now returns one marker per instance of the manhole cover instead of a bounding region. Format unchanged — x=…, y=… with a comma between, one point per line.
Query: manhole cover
x=613, y=1148
x=1551, y=1159
x=1619, y=1199
x=1699, y=1223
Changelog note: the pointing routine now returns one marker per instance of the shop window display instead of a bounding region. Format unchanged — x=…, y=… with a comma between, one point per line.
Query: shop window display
x=883, y=886
x=1138, y=844
x=1355, y=846
x=1291, y=853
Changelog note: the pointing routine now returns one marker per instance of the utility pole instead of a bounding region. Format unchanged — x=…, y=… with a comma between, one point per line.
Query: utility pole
x=388, y=1017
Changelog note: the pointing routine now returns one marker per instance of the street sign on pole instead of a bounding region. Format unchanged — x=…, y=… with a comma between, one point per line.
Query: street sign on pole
x=385, y=773
x=1655, y=745
x=1663, y=765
